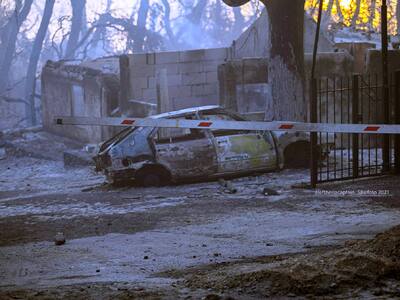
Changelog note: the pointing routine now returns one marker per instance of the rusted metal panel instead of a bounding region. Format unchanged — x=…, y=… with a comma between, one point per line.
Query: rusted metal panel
x=191, y=158
x=241, y=152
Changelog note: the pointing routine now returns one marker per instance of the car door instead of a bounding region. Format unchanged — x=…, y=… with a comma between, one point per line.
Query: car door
x=186, y=153
x=243, y=151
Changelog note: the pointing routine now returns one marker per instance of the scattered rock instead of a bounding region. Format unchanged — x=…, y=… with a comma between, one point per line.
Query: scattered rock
x=59, y=239
x=228, y=187
x=270, y=192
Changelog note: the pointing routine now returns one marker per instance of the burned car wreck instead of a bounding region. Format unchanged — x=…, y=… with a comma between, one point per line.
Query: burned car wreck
x=156, y=156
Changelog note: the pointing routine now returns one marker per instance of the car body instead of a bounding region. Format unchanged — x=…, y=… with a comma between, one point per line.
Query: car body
x=154, y=156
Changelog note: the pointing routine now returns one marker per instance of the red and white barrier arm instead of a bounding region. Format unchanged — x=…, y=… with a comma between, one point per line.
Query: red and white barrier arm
x=232, y=125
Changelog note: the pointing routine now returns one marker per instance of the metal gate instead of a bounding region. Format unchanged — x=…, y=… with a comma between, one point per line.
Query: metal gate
x=358, y=100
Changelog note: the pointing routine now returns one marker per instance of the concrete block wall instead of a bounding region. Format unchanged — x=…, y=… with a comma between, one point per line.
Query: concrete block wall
x=359, y=51
x=192, y=76
x=374, y=61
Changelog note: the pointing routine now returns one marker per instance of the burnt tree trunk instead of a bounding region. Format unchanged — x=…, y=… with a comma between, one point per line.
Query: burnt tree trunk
x=398, y=17
x=30, y=83
x=286, y=62
x=9, y=39
x=339, y=11
x=141, y=24
x=286, y=59
x=78, y=9
x=167, y=24
x=356, y=13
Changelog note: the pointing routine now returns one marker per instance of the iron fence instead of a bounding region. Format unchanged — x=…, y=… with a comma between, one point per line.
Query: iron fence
x=357, y=100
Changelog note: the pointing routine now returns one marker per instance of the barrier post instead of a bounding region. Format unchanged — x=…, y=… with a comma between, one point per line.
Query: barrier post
x=397, y=121
x=355, y=120
x=313, y=135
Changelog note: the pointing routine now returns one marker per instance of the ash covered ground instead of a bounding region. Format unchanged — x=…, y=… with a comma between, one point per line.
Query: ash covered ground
x=188, y=241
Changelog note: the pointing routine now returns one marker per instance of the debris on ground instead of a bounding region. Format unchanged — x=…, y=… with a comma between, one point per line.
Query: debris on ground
x=227, y=186
x=269, y=192
x=59, y=239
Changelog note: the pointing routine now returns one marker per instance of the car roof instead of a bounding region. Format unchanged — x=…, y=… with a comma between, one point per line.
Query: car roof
x=185, y=111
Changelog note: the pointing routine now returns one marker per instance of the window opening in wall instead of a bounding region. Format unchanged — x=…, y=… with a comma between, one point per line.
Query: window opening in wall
x=78, y=103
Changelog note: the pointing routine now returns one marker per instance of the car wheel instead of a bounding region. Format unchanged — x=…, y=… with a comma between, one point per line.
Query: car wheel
x=153, y=175
x=297, y=155
x=151, y=180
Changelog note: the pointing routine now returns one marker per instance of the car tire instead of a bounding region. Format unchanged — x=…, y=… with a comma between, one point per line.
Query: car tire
x=297, y=155
x=153, y=175
x=148, y=180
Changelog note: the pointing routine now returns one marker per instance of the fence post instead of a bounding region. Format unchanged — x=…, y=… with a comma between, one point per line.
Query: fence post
x=313, y=135
x=397, y=121
x=385, y=88
x=355, y=120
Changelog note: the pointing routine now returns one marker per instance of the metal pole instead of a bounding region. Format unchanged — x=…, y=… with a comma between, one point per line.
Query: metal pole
x=125, y=91
x=397, y=120
x=385, y=87
x=355, y=120
x=313, y=105
x=315, y=50
x=313, y=135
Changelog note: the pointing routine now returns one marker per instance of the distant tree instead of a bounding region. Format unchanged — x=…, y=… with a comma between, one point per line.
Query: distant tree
x=339, y=11
x=286, y=61
x=398, y=17
x=30, y=84
x=167, y=24
x=77, y=24
x=356, y=13
x=141, y=24
x=8, y=40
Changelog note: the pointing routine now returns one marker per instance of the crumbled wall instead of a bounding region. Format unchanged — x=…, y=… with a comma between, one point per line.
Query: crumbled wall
x=330, y=64
x=374, y=61
x=254, y=42
x=192, y=76
x=58, y=81
x=359, y=51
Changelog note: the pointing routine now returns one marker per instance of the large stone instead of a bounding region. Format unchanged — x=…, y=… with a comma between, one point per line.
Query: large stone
x=59, y=239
